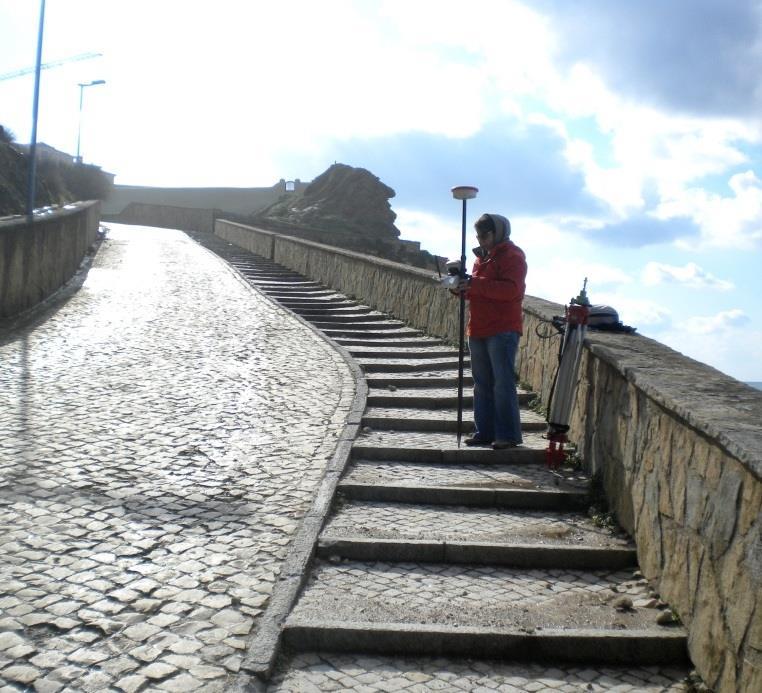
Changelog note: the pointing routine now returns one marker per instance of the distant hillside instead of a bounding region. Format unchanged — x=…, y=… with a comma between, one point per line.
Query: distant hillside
x=58, y=181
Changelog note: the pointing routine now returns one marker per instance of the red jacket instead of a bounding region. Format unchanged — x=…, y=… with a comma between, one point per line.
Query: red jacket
x=496, y=291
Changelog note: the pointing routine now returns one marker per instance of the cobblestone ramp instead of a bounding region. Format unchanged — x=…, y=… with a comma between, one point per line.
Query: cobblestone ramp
x=434, y=550
x=157, y=456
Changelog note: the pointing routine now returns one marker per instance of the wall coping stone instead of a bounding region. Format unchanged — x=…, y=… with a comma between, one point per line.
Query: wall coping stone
x=13, y=222
x=716, y=405
x=400, y=268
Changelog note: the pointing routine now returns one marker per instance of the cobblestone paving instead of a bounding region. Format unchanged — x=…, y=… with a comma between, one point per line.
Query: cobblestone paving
x=527, y=476
x=459, y=523
x=161, y=435
x=310, y=673
x=485, y=596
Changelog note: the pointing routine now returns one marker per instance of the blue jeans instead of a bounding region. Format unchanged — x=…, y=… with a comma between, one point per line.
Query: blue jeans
x=496, y=404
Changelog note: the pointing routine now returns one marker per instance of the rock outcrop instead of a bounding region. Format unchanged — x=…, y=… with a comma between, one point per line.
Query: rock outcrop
x=346, y=207
x=342, y=199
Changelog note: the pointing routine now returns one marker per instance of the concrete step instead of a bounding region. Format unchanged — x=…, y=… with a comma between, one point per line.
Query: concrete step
x=481, y=611
x=384, y=531
x=329, y=313
x=384, y=333
x=300, y=294
x=374, y=319
x=443, y=420
x=421, y=379
x=329, y=671
x=395, y=344
x=318, y=303
x=284, y=284
x=257, y=275
x=408, y=365
x=441, y=448
x=476, y=485
x=332, y=327
x=386, y=393
x=397, y=351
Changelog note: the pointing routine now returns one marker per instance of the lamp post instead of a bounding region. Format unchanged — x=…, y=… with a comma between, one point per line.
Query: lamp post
x=462, y=192
x=81, y=95
x=32, y=173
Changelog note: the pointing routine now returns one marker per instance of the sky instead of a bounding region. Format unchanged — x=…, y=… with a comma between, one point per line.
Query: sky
x=622, y=139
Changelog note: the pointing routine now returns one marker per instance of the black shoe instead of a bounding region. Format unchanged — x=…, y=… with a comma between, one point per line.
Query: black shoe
x=504, y=444
x=474, y=441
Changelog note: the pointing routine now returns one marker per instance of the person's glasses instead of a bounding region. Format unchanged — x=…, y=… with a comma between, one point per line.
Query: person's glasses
x=483, y=234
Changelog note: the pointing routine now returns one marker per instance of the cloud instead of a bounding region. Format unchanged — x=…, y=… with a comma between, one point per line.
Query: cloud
x=696, y=56
x=715, y=324
x=560, y=277
x=638, y=312
x=642, y=230
x=519, y=169
x=690, y=275
x=729, y=221
x=735, y=349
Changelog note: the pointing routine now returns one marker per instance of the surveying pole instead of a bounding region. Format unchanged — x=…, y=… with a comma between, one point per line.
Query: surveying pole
x=462, y=192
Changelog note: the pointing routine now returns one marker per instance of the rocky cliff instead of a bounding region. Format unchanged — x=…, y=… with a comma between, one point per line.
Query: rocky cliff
x=347, y=207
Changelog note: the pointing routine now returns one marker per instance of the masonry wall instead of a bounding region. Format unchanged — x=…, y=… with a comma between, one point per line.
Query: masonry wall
x=677, y=444
x=232, y=200
x=38, y=258
x=166, y=216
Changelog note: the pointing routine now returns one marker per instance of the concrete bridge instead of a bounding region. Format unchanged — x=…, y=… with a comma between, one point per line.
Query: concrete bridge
x=210, y=459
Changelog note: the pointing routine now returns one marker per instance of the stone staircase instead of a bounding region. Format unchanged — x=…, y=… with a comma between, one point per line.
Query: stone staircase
x=432, y=550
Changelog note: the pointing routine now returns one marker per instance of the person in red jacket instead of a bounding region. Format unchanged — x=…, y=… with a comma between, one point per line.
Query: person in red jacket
x=495, y=292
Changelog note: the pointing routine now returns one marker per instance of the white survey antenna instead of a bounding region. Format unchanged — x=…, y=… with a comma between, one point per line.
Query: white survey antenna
x=464, y=192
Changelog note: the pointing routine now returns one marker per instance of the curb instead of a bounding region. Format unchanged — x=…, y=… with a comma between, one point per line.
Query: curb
x=528, y=499
x=455, y=456
x=265, y=644
x=639, y=647
x=540, y=556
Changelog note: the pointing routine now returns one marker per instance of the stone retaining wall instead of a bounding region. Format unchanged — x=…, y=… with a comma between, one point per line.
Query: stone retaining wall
x=38, y=258
x=407, y=292
x=678, y=446
x=166, y=216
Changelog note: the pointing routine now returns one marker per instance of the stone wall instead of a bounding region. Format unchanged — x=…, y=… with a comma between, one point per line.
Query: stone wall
x=232, y=200
x=38, y=258
x=166, y=216
x=407, y=292
x=678, y=446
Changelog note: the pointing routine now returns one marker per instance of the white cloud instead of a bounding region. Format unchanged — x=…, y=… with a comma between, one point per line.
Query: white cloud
x=637, y=312
x=560, y=277
x=736, y=351
x=436, y=234
x=728, y=221
x=715, y=324
x=690, y=275
x=647, y=151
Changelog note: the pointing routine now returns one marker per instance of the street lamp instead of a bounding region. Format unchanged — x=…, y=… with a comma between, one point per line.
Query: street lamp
x=32, y=172
x=462, y=192
x=81, y=95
